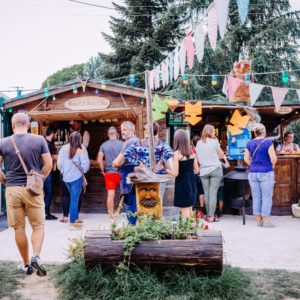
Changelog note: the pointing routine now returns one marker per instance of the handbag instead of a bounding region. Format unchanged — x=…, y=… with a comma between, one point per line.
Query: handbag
x=35, y=179
x=84, y=181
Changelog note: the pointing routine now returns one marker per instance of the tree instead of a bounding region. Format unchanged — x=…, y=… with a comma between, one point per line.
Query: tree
x=143, y=34
x=92, y=67
x=64, y=75
x=270, y=36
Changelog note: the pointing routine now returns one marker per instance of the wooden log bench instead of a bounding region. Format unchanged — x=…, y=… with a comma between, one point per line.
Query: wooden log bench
x=204, y=254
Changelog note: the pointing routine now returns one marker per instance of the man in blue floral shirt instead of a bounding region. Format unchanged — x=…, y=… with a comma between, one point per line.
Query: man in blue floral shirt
x=138, y=153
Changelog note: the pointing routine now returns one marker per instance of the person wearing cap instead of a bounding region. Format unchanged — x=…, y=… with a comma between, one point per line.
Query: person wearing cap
x=108, y=151
x=260, y=156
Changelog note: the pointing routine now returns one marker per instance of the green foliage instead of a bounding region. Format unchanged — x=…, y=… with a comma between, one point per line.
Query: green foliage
x=75, y=250
x=154, y=230
x=66, y=74
x=78, y=283
x=145, y=31
x=270, y=38
x=92, y=68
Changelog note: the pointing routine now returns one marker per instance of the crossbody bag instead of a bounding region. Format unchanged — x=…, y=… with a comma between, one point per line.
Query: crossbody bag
x=84, y=181
x=252, y=157
x=35, y=178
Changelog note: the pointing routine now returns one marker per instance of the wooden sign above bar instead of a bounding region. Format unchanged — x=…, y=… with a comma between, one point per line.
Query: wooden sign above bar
x=87, y=103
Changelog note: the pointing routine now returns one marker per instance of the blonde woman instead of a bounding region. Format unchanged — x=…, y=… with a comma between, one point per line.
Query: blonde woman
x=209, y=154
x=185, y=166
x=261, y=157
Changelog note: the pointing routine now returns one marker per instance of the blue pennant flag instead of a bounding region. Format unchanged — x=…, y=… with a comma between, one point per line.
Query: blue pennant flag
x=243, y=9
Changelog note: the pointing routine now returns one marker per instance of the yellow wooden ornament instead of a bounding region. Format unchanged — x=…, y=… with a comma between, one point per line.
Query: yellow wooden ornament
x=172, y=104
x=237, y=123
x=193, y=112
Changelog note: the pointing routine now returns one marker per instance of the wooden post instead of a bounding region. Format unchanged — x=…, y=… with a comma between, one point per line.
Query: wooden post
x=149, y=121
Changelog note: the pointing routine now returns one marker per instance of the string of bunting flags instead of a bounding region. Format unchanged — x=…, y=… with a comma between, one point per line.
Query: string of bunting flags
x=214, y=18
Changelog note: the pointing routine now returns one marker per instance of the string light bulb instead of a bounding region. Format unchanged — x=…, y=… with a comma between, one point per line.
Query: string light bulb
x=19, y=93
x=103, y=84
x=132, y=79
x=97, y=91
x=214, y=80
x=53, y=97
x=185, y=80
x=46, y=92
x=75, y=89
x=247, y=78
x=285, y=76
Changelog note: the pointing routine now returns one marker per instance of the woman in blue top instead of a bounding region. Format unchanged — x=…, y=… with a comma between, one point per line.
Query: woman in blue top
x=71, y=158
x=261, y=157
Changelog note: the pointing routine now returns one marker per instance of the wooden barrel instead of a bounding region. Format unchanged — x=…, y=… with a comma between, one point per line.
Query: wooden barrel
x=205, y=253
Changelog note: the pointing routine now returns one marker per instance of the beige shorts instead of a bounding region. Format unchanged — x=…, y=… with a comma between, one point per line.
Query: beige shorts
x=21, y=203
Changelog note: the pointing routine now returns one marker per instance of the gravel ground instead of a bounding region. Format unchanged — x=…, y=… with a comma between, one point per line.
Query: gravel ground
x=245, y=246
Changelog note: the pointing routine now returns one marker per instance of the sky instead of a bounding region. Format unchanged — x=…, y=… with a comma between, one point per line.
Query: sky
x=39, y=37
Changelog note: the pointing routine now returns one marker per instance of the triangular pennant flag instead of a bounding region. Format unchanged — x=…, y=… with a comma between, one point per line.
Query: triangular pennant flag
x=255, y=90
x=159, y=107
x=182, y=57
x=298, y=92
x=243, y=9
x=176, y=63
x=163, y=75
x=199, y=37
x=171, y=66
x=232, y=86
x=225, y=86
x=172, y=104
x=192, y=112
x=212, y=27
x=222, y=15
x=157, y=75
x=237, y=122
x=190, y=50
x=167, y=71
x=278, y=96
x=151, y=79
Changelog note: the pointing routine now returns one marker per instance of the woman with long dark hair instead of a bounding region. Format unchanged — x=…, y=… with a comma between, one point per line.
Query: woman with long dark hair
x=73, y=161
x=185, y=166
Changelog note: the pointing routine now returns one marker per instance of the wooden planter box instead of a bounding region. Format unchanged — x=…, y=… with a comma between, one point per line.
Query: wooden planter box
x=204, y=254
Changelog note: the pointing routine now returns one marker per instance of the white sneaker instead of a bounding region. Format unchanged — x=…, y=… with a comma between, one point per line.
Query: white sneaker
x=28, y=269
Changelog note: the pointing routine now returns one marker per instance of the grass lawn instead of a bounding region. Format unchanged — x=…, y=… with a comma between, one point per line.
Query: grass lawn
x=75, y=282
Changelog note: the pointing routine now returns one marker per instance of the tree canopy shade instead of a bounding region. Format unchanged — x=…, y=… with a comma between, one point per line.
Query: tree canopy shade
x=143, y=34
x=269, y=38
x=64, y=75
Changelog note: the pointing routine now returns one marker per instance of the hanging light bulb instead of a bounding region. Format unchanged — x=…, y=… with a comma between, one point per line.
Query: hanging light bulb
x=214, y=80
x=103, y=84
x=132, y=79
x=53, y=97
x=10, y=110
x=75, y=90
x=185, y=80
x=19, y=93
x=142, y=101
x=247, y=78
x=285, y=76
x=97, y=91
x=46, y=92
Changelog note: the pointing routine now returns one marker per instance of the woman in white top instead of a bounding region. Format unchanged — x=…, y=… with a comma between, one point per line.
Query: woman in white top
x=209, y=154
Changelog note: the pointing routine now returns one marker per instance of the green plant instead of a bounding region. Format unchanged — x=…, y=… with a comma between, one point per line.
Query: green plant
x=154, y=230
x=75, y=250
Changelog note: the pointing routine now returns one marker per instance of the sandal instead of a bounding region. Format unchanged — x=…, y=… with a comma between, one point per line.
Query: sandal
x=75, y=226
x=79, y=221
x=64, y=220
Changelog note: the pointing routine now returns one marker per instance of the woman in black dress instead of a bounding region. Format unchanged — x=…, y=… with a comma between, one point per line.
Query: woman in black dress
x=184, y=167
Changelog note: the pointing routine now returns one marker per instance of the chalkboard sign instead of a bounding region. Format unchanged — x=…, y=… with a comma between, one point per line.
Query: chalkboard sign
x=237, y=144
x=175, y=119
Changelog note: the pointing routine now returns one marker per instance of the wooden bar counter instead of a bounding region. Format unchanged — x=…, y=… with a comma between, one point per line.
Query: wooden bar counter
x=287, y=184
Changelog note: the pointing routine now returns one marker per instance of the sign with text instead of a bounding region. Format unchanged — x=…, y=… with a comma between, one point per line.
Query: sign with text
x=237, y=144
x=87, y=103
x=176, y=119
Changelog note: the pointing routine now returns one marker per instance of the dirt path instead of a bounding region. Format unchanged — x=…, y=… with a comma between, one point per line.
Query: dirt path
x=34, y=287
